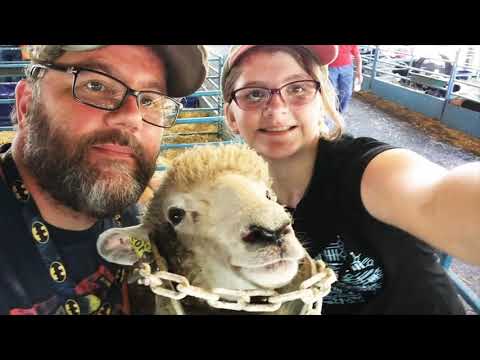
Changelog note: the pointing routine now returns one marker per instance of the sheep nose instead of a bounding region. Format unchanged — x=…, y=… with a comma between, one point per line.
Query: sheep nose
x=260, y=235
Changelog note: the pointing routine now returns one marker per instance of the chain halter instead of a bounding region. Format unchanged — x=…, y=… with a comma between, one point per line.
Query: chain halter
x=310, y=291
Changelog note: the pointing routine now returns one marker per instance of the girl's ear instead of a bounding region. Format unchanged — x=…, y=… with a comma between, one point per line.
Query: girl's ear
x=230, y=119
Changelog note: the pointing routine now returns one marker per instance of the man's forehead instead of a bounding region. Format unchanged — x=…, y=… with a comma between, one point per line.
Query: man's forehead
x=132, y=64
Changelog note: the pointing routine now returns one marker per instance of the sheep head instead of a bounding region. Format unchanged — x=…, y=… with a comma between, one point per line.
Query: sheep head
x=216, y=221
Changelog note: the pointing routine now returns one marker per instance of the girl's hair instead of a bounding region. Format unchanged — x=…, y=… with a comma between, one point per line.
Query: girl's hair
x=306, y=60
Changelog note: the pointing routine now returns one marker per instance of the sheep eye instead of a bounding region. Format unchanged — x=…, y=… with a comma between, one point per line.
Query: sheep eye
x=176, y=215
x=268, y=195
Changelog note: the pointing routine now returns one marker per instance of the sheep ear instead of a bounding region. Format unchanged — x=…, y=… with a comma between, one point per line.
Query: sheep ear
x=124, y=246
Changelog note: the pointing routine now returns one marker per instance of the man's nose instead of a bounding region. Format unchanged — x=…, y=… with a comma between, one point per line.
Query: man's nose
x=128, y=115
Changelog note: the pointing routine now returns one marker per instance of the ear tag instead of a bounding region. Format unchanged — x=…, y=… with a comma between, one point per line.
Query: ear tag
x=140, y=246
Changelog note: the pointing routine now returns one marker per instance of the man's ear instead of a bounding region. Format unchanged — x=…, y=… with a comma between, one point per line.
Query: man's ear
x=23, y=99
x=230, y=119
x=124, y=246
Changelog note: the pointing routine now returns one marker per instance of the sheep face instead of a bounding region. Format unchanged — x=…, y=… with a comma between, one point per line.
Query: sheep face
x=236, y=232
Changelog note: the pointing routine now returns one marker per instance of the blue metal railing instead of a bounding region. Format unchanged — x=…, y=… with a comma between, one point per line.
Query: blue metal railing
x=13, y=64
x=200, y=120
x=463, y=290
x=183, y=146
x=206, y=93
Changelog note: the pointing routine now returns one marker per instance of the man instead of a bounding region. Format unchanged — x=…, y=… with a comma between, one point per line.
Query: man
x=90, y=119
x=341, y=73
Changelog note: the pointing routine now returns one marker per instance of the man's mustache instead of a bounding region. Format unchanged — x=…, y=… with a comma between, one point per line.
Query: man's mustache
x=115, y=137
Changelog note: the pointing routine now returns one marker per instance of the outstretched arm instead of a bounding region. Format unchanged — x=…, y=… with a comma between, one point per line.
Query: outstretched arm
x=401, y=188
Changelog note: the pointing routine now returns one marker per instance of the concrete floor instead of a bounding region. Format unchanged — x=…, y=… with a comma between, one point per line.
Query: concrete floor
x=364, y=119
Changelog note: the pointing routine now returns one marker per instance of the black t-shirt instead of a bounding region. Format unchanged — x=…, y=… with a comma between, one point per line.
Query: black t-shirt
x=380, y=269
x=25, y=283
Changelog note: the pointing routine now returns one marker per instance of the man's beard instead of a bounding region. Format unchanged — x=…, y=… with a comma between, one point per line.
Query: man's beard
x=60, y=166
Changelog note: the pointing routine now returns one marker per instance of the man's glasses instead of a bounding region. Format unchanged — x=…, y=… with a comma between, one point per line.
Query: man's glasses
x=296, y=93
x=102, y=91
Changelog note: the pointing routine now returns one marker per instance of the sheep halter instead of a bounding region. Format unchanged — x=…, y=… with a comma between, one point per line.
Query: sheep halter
x=311, y=292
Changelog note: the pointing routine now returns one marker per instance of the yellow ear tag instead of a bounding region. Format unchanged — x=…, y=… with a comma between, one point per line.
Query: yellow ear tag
x=140, y=246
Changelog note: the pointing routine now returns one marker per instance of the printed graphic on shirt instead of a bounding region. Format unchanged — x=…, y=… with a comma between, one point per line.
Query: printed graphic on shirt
x=359, y=277
x=92, y=295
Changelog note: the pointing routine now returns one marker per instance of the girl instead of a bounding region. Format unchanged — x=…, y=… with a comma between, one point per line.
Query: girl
x=359, y=204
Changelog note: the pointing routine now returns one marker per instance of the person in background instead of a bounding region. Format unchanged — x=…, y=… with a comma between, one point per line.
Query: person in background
x=341, y=73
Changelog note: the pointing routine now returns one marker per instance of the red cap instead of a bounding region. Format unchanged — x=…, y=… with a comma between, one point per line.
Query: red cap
x=325, y=54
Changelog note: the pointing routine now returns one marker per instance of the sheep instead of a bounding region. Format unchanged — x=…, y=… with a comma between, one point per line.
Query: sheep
x=215, y=221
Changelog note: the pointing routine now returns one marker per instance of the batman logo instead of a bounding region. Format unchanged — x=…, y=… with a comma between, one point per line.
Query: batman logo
x=72, y=307
x=58, y=272
x=105, y=309
x=118, y=219
x=40, y=232
x=20, y=191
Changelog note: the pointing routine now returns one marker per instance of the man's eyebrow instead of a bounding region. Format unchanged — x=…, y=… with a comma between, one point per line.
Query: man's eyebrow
x=109, y=70
x=96, y=65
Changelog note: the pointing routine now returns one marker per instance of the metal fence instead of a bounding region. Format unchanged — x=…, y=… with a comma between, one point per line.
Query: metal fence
x=442, y=85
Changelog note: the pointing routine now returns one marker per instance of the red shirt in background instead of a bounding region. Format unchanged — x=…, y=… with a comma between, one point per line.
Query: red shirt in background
x=345, y=53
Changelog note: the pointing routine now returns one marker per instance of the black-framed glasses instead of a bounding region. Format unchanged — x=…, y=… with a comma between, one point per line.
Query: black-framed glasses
x=102, y=91
x=296, y=93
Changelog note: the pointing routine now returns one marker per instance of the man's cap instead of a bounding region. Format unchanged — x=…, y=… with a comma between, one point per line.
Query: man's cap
x=187, y=65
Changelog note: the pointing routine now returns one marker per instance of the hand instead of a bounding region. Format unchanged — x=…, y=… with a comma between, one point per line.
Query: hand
x=359, y=77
